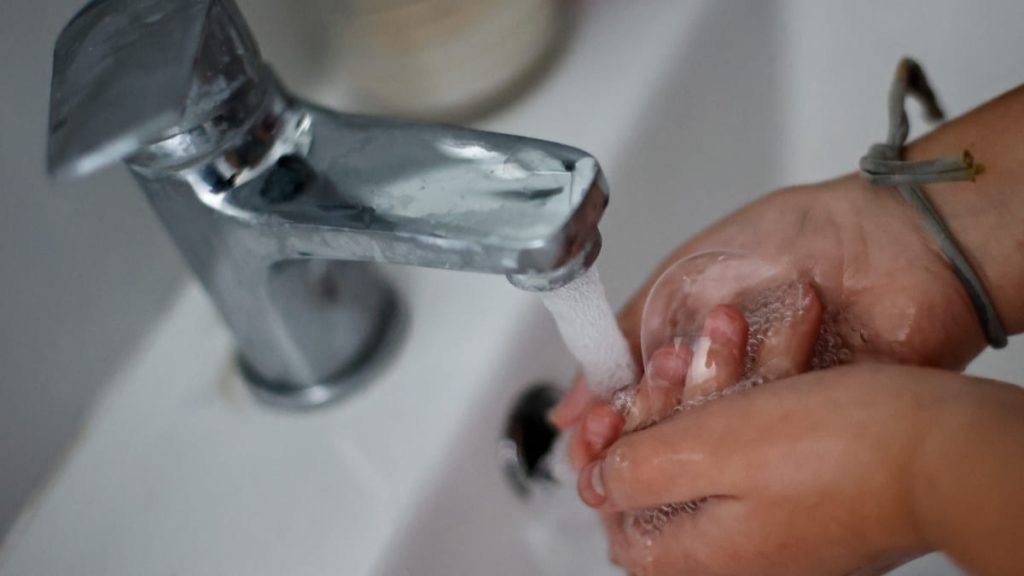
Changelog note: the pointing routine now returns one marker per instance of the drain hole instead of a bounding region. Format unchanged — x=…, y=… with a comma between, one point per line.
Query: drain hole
x=529, y=437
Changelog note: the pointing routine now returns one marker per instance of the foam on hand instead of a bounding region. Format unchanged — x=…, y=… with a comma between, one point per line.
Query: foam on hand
x=588, y=327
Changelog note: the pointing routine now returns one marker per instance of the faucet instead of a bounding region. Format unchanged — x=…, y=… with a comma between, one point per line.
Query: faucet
x=284, y=210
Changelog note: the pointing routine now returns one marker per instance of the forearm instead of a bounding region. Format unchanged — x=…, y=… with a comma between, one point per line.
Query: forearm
x=970, y=488
x=987, y=216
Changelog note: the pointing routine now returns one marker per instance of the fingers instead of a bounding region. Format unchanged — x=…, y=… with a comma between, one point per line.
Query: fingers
x=717, y=362
x=659, y=392
x=788, y=346
x=687, y=457
x=719, y=354
x=664, y=386
x=601, y=423
x=572, y=407
x=635, y=475
x=652, y=400
x=598, y=429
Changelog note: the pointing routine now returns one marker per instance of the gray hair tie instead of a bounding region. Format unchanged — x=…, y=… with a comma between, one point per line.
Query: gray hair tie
x=883, y=166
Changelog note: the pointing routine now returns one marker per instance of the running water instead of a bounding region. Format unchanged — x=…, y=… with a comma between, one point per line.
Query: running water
x=588, y=327
x=560, y=521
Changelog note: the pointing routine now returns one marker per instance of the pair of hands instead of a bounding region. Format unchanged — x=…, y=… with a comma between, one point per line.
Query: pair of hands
x=814, y=475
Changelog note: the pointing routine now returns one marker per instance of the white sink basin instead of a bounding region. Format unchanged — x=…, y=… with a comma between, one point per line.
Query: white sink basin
x=694, y=108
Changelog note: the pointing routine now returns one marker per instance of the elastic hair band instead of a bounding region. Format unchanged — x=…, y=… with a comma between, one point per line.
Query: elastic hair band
x=884, y=166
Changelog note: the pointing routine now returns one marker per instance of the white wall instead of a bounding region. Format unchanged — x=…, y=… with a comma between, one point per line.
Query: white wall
x=83, y=266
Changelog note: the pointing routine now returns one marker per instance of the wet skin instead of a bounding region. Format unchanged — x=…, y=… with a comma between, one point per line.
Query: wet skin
x=844, y=447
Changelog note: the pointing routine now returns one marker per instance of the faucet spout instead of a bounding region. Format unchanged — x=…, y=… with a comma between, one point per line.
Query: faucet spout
x=458, y=199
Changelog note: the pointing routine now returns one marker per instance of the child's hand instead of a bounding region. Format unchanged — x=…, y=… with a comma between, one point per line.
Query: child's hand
x=893, y=297
x=677, y=374
x=813, y=475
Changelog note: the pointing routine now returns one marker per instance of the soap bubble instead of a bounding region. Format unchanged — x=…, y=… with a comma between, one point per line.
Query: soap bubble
x=684, y=294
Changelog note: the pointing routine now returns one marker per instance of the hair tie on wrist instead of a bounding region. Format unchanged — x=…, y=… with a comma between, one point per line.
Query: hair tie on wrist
x=883, y=166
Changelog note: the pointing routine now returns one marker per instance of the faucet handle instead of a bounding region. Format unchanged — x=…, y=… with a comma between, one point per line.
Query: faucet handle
x=129, y=73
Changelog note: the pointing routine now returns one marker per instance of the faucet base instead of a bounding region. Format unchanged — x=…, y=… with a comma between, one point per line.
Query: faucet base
x=353, y=377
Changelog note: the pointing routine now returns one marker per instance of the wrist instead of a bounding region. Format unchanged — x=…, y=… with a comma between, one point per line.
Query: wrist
x=986, y=216
x=949, y=421
x=988, y=230
x=916, y=291
x=966, y=494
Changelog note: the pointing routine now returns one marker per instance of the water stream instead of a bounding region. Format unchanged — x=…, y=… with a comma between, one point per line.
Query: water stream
x=590, y=330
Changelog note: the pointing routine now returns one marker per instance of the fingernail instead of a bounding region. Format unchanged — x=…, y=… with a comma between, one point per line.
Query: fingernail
x=624, y=401
x=724, y=325
x=702, y=368
x=601, y=427
x=717, y=327
x=591, y=485
x=596, y=431
x=597, y=478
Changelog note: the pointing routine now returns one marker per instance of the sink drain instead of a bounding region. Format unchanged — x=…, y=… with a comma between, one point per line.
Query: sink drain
x=529, y=437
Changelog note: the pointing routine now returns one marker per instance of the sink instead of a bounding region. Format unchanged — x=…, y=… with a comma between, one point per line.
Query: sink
x=694, y=108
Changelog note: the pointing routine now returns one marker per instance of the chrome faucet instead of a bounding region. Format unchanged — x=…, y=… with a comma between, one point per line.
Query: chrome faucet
x=282, y=208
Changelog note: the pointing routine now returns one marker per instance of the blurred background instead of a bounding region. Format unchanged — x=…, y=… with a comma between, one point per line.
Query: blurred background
x=87, y=269
x=85, y=266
